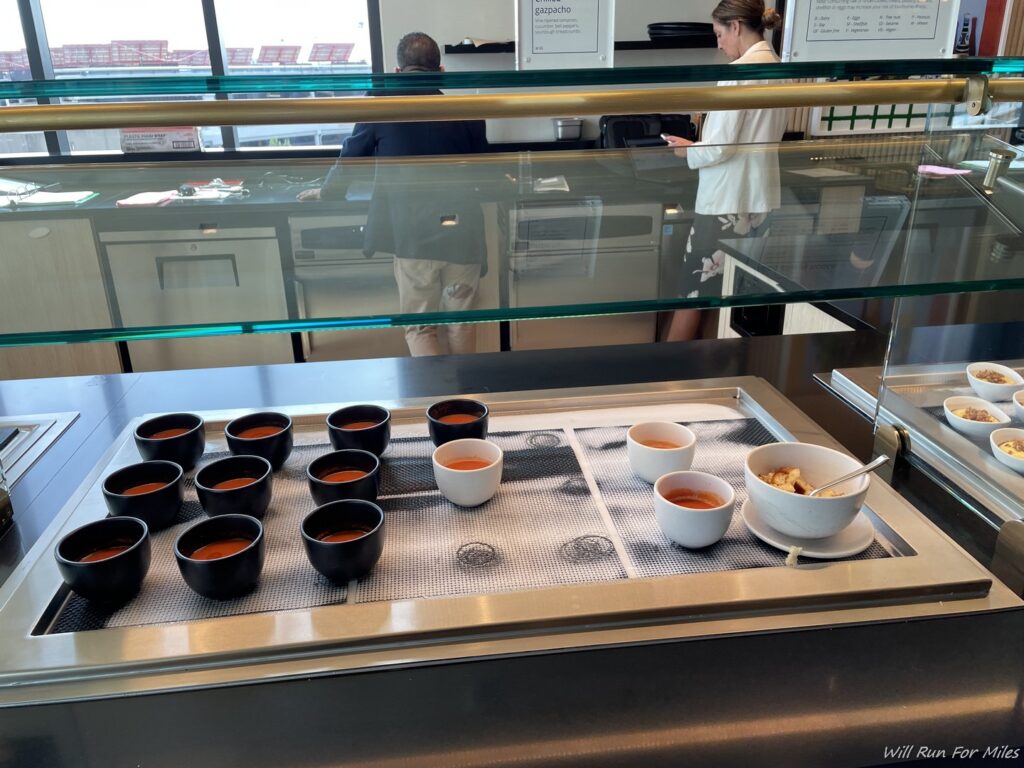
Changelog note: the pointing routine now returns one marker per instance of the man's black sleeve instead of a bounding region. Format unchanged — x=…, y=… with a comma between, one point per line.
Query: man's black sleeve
x=478, y=136
x=362, y=143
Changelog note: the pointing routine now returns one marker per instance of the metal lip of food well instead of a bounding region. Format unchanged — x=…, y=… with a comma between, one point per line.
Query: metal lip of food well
x=926, y=576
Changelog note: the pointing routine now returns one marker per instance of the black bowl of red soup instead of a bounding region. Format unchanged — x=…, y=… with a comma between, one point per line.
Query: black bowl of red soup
x=268, y=434
x=222, y=557
x=177, y=437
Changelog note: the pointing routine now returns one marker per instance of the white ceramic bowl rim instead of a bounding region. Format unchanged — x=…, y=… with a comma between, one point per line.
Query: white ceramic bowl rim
x=959, y=401
x=1018, y=380
x=705, y=477
x=456, y=445
x=691, y=435
x=861, y=481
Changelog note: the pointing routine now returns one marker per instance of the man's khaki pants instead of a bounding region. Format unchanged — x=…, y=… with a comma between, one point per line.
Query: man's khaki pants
x=433, y=286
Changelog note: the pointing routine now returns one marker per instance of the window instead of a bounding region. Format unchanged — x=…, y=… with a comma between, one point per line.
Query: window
x=166, y=39
x=13, y=68
x=125, y=38
x=315, y=36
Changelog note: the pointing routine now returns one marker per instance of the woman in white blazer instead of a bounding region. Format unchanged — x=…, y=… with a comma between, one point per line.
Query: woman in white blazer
x=739, y=183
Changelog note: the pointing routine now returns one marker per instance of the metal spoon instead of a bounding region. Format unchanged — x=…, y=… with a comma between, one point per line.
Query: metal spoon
x=857, y=473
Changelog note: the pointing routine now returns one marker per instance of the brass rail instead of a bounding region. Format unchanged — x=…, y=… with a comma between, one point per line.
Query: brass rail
x=504, y=105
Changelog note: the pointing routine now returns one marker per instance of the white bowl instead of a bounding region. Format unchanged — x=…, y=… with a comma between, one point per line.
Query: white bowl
x=651, y=463
x=806, y=517
x=1018, y=405
x=468, y=487
x=996, y=393
x=973, y=428
x=693, y=528
x=1000, y=436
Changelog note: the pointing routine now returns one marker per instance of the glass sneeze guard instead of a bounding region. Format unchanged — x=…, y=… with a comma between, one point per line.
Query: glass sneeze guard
x=205, y=247
x=556, y=234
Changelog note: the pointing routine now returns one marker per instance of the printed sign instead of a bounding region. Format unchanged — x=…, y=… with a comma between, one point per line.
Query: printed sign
x=565, y=34
x=859, y=30
x=159, y=140
x=878, y=20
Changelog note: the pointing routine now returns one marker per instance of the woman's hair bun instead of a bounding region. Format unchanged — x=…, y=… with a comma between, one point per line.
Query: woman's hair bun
x=770, y=18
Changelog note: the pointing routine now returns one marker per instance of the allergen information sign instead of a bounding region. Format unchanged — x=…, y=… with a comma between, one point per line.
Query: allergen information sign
x=861, y=30
x=564, y=34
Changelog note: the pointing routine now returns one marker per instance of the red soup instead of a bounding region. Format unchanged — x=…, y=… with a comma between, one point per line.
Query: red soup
x=104, y=554
x=256, y=432
x=685, y=497
x=166, y=434
x=233, y=483
x=215, y=550
x=342, y=536
x=468, y=464
x=137, y=490
x=344, y=476
x=459, y=418
x=360, y=424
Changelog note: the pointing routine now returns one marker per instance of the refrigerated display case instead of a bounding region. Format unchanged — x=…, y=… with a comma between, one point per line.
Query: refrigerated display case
x=557, y=623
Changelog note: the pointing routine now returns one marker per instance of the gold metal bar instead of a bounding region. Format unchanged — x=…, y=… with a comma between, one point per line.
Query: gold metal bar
x=1000, y=89
x=468, y=107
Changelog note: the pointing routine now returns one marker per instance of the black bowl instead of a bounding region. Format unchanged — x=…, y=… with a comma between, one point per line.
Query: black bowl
x=226, y=577
x=373, y=439
x=343, y=561
x=252, y=499
x=157, y=508
x=274, y=448
x=365, y=488
x=114, y=581
x=442, y=433
x=184, y=450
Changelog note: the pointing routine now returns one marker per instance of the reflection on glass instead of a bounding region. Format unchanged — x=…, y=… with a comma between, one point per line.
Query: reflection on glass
x=584, y=233
x=318, y=37
x=120, y=41
x=166, y=40
x=14, y=68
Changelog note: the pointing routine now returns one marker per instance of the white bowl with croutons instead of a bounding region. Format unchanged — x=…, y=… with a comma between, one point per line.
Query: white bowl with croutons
x=793, y=512
x=973, y=416
x=993, y=382
x=1008, y=448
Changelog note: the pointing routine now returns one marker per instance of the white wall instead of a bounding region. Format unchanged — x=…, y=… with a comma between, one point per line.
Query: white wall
x=450, y=21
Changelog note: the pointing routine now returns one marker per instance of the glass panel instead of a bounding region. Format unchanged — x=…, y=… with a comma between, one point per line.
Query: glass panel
x=953, y=363
x=14, y=68
x=313, y=80
x=552, y=235
x=321, y=37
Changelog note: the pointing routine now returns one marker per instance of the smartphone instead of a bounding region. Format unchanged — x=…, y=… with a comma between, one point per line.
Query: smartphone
x=664, y=137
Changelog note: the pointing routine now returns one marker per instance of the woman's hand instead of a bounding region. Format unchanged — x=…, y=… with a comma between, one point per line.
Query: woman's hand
x=678, y=143
x=308, y=194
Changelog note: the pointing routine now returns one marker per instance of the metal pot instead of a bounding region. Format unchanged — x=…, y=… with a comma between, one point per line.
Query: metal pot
x=568, y=128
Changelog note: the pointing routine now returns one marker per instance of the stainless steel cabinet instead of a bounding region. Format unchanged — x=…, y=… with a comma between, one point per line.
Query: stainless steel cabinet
x=583, y=252
x=168, y=278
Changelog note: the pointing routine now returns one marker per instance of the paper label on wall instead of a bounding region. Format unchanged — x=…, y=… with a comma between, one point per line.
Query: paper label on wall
x=861, y=30
x=160, y=140
x=565, y=34
x=877, y=20
x=565, y=26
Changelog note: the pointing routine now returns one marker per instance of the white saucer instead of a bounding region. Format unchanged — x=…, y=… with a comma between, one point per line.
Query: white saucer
x=852, y=540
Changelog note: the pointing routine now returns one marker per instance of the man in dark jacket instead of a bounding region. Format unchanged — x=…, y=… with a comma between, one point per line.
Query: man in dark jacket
x=426, y=214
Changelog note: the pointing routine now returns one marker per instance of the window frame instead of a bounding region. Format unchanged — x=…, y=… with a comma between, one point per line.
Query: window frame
x=41, y=68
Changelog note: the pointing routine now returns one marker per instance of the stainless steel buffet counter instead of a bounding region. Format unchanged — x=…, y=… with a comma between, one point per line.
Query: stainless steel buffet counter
x=916, y=573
